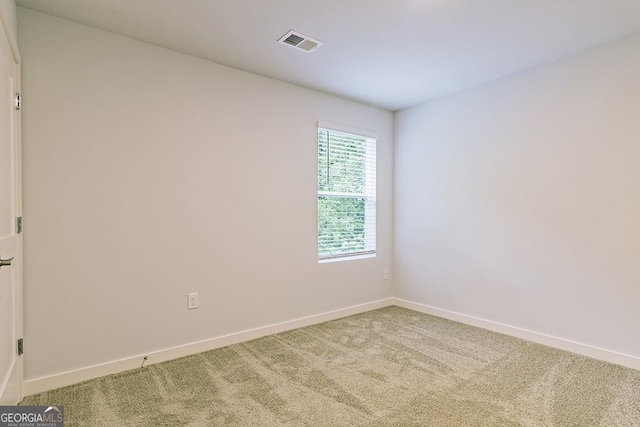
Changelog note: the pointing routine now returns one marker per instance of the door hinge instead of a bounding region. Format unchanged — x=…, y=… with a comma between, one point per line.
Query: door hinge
x=20, y=347
x=19, y=225
x=18, y=101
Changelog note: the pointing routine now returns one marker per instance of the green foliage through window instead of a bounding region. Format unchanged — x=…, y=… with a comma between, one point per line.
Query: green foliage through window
x=340, y=225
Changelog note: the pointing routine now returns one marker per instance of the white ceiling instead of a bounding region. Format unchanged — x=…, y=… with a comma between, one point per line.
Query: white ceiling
x=389, y=53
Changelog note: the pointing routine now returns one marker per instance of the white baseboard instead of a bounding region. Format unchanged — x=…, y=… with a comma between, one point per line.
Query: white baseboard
x=42, y=384
x=537, y=337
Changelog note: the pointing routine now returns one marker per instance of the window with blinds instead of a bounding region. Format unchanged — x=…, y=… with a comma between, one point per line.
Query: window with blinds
x=346, y=193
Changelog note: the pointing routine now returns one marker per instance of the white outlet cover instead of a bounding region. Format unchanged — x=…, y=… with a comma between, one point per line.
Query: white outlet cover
x=192, y=301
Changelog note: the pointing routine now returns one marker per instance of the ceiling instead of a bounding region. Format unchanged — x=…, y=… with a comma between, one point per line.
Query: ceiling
x=388, y=53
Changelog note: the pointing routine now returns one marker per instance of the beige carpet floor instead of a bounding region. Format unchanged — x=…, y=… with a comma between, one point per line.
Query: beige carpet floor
x=389, y=367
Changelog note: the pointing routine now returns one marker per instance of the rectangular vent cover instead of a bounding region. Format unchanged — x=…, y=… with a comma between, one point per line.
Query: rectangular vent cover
x=300, y=41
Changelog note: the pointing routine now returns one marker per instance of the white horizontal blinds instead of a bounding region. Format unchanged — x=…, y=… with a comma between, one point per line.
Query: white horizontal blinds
x=346, y=194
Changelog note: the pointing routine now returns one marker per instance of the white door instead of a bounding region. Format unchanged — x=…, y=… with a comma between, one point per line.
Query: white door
x=10, y=240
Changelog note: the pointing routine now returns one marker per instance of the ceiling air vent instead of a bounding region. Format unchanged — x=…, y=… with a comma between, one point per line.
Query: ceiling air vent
x=300, y=41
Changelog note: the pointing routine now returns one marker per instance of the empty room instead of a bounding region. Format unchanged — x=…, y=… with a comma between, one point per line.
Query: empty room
x=296, y=213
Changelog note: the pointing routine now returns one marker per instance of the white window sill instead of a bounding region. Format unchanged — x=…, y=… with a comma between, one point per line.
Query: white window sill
x=345, y=258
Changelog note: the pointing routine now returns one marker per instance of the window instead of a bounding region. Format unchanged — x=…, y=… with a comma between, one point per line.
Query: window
x=346, y=192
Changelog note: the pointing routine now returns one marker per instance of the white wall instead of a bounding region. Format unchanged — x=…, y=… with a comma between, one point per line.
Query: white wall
x=8, y=13
x=150, y=174
x=519, y=201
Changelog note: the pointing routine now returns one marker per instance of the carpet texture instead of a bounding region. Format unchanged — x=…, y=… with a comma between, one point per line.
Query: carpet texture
x=389, y=367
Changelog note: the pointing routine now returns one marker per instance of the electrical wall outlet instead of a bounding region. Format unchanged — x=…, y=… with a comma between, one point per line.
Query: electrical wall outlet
x=385, y=274
x=192, y=301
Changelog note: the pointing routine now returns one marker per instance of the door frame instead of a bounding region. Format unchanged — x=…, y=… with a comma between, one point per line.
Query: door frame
x=4, y=32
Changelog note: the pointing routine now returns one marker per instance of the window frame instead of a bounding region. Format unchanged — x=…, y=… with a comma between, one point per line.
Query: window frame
x=369, y=195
